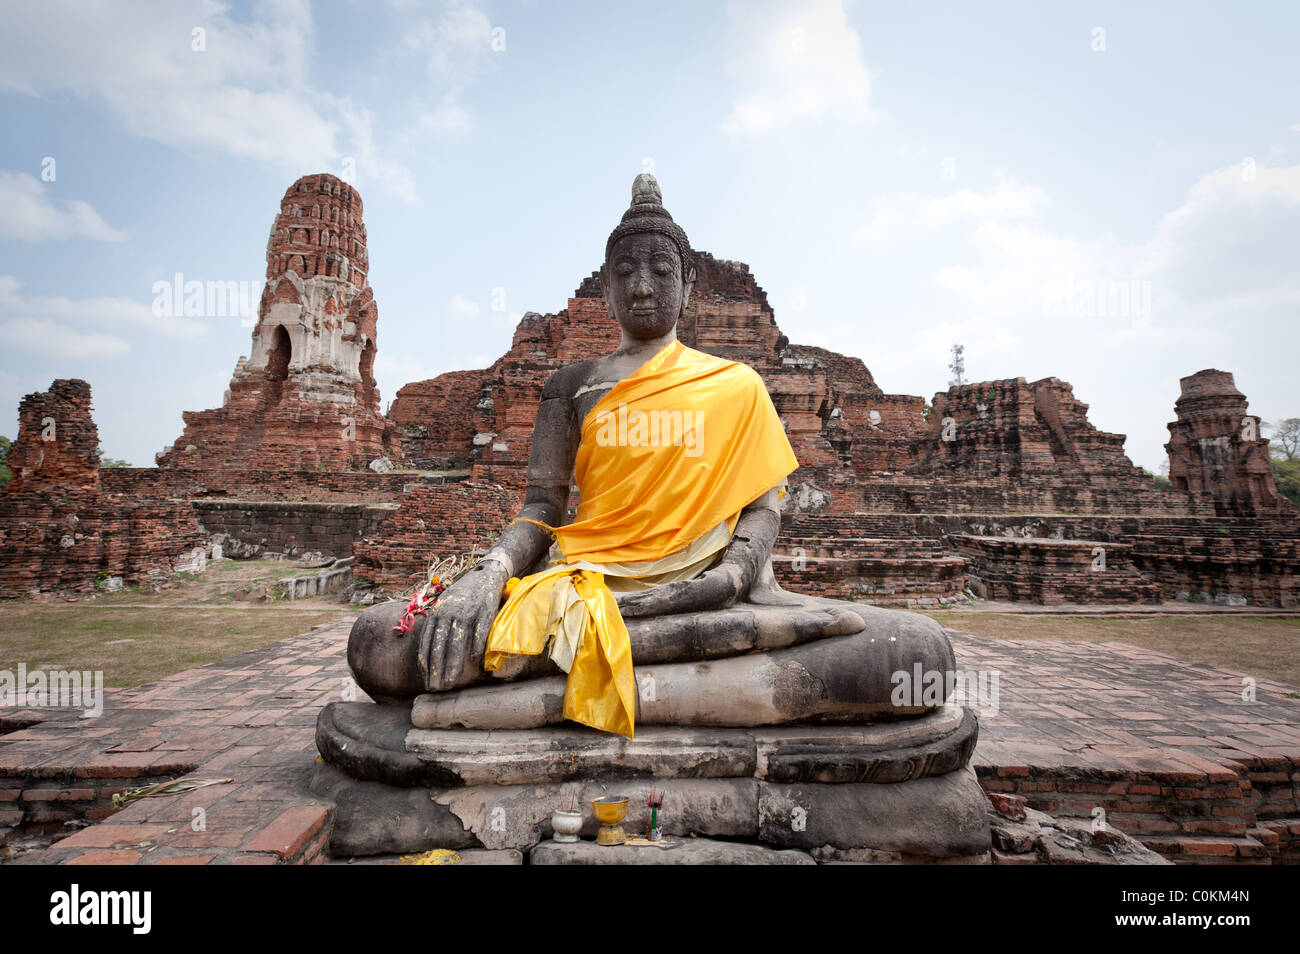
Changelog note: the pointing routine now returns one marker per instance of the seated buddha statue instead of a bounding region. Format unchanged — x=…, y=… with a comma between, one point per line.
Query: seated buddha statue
x=665, y=573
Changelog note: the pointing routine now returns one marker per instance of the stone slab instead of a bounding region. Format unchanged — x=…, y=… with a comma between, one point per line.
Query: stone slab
x=887, y=751
x=690, y=851
x=940, y=817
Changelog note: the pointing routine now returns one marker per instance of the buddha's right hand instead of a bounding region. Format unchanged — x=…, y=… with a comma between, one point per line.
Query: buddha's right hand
x=453, y=640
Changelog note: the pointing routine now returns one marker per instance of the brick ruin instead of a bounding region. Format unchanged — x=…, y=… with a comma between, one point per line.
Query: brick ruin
x=895, y=502
x=60, y=526
x=1000, y=489
x=305, y=397
x=1216, y=451
x=58, y=443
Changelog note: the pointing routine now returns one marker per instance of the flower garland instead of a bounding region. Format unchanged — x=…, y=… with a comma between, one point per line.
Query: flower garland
x=442, y=574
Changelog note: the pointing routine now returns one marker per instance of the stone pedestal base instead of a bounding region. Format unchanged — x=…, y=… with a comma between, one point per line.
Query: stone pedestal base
x=891, y=791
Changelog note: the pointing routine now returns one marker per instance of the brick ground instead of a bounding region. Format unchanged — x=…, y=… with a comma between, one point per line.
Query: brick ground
x=250, y=718
x=1168, y=749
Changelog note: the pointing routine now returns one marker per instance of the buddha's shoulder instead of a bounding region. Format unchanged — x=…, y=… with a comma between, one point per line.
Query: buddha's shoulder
x=565, y=382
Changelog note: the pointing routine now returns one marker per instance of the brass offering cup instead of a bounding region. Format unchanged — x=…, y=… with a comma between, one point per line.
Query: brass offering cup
x=610, y=810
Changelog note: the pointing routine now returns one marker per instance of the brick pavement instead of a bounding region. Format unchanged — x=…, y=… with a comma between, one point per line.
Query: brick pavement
x=250, y=718
x=1167, y=748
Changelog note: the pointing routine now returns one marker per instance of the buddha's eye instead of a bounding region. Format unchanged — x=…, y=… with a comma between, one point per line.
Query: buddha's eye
x=624, y=270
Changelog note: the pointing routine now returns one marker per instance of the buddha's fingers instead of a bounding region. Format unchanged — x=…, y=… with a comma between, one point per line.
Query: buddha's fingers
x=481, y=632
x=454, y=656
x=438, y=653
x=424, y=657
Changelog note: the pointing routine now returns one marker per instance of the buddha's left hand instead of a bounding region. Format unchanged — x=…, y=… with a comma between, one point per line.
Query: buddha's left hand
x=715, y=589
x=725, y=584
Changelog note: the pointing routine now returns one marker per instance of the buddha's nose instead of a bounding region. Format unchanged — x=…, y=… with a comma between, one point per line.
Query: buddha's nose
x=643, y=289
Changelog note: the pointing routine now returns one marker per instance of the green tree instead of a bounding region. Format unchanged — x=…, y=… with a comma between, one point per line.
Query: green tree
x=1286, y=474
x=1160, y=481
x=5, y=472
x=1284, y=454
x=1161, y=478
x=109, y=461
x=1285, y=442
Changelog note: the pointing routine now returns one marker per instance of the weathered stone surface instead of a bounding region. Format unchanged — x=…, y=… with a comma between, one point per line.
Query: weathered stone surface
x=1040, y=838
x=926, y=819
x=519, y=816
x=932, y=744
x=381, y=661
x=522, y=756
x=939, y=817
x=367, y=741
x=837, y=679
x=292, y=526
x=689, y=851
x=329, y=580
x=461, y=856
x=371, y=818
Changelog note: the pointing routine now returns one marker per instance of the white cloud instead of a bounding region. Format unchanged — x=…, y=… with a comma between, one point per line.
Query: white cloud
x=32, y=214
x=462, y=307
x=917, y=213
x=245, y=93
x=371, y=166
x=1212, y=282
x=457, y=48
x=121, y=313
x=1233, y=243
x=447, y=119
x=59, y=341
x=794, y=62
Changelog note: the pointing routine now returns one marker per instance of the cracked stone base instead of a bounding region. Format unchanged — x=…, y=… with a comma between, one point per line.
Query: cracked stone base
x=890, y=791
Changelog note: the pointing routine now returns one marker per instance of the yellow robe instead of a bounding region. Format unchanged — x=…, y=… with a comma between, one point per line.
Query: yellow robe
x=668, y=459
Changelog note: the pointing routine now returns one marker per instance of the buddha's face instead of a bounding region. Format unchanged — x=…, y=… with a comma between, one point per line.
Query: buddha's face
x=644, y=286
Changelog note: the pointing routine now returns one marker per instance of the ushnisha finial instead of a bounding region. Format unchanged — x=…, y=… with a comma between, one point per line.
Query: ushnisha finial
x=645, y=189
x=647, y=214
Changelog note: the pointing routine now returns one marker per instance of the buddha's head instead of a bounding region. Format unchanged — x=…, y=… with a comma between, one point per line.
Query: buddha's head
x=649, y=269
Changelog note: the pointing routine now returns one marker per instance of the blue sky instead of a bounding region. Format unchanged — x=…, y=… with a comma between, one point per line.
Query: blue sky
x=899, y=177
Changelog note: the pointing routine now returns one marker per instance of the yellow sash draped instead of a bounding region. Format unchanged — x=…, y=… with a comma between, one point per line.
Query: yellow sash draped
x=673, y=450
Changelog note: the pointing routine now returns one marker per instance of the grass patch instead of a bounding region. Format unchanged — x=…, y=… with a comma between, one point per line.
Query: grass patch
x=1259, y=646
x=136, y=635
x=86, y=636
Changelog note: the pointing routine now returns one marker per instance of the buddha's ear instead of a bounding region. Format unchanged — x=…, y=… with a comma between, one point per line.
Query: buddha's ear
x=604, y=289
x=688, y=285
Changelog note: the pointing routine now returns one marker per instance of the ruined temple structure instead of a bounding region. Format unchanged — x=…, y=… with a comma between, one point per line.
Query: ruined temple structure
x=1001, y=489
x=305, y=397
x=1216, y=450
x=58, y=443
x=1018, y=446
x=60, y=527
